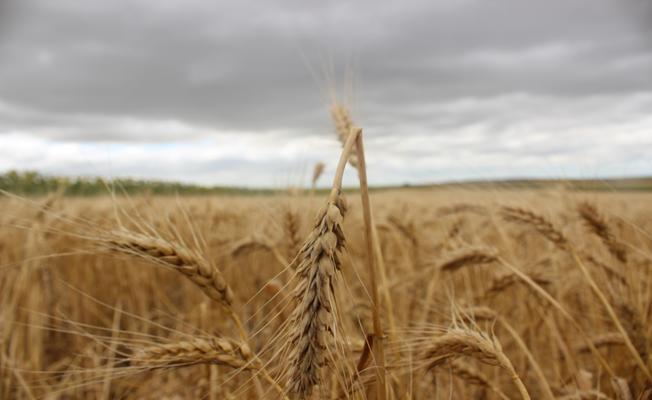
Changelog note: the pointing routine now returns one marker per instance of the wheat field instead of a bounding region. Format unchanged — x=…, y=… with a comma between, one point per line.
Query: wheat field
x=402, y=294
x=483, y=294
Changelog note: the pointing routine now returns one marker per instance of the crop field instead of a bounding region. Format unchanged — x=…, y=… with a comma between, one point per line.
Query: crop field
x=335, y=200
x=493, y=294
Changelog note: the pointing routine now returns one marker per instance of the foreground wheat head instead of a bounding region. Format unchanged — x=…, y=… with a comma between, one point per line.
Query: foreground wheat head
x=312, y=321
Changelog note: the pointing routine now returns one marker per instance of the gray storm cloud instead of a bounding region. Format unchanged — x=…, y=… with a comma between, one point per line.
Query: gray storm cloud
x=503, y=82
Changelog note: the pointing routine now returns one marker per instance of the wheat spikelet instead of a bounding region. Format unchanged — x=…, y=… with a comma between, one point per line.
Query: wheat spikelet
x=478, y=256
x=312, y=321
x=343, y=126
x=597, y=224
x=214, y=350
x=173, y=255
x=536, y=221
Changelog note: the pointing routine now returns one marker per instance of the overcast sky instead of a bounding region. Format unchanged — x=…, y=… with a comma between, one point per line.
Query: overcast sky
x=238, y=92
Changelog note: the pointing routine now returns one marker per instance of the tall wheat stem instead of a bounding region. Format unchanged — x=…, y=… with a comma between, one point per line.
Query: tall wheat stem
x=379, y=350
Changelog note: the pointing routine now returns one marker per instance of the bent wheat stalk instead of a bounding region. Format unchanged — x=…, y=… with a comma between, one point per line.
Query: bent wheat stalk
x=343, y=127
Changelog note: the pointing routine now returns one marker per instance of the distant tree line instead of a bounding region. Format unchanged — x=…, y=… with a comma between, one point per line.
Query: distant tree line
x=31, y=183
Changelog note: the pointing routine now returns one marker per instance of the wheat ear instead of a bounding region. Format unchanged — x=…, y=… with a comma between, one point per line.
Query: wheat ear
x=173, y=255
x=538, y=222
x=343, y=125
x=312, y=321
x=214, y=350
x=317, y=171
x=597, y=224
x=468, y=257
x=456, y=342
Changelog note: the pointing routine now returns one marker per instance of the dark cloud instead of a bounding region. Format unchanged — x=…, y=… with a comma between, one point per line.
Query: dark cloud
x=239, y=64
x=160, y=70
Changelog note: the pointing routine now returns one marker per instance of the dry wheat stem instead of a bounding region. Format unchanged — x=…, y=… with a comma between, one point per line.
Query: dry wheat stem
x=379, y=336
